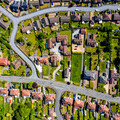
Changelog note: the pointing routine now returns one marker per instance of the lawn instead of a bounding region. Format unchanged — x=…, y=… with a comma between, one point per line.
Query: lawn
x=75, y=24
x=59, y=77
x=76, y=68
x=102, y=66
x=67, y=33
x=87, y=61
x=20, y=71
x=65, y=62
x=51, y=71
x=44, y=6
x=94, y=62
x=64, y=26
x=63, y=13
x=45, y=70
x=32, y=10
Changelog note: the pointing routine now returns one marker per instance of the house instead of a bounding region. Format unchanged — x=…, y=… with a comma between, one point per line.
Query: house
x=65, y=19
x=34, y=3
x=66, y=73
x=86, y=17
x=8, y=1
x=77, y=1
x=103, y=78
x=15, y=6
x=66, y=0
x=49, y=98
x=14, y=92
x=67, y=101
x=54, y=59
x=91, y=40
x=23, y=5
x=97, y=1
x=91, y=106
x=78, y=104
x=46, y=1
x=78, y=39
x=27, y=28
x=4, y=25
x=17, y=63
x=76, y=17
x=4, y=61
x=116, y=117
x=61, y=38
x=45, y=22
x=55, y=1
x=86, y=1
x=36, y=95
x=51, y=42
x=3, y=91
x=25, y=93
x=113, y=81
x=64, y=42
x=88, y=75
x=98, y=18
x=103, y=109
x=43, y=60
x=107, y=17
x=116, y=17
x=82, y=31
x=37, y=25
x=67, y=116
x=54, y=20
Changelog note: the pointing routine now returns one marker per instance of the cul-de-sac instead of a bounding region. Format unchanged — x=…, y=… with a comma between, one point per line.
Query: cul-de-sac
x=59, y=59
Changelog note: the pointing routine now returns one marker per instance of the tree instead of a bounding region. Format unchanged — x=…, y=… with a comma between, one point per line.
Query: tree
x=15, y=106
x=34, y=85
x=29, y=85
x=29, y=43
x=5, y=19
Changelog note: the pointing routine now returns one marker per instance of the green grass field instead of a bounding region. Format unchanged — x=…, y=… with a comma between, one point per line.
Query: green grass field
x=45, y=70
x=76, y=68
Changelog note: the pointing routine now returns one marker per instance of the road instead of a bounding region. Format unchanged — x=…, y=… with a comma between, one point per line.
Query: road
x=62, y=87
x=17, y=20
x=59, y=87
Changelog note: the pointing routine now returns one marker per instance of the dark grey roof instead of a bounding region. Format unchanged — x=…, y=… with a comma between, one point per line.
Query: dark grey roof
x=86, y=17
x=98, y=17
x=45, y=21
x=88, y=75
x=65, y=19
x=54, y=20
x=38, y=25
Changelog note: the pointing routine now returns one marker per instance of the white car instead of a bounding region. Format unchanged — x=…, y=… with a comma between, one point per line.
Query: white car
x=96, y=10
x=76, y=10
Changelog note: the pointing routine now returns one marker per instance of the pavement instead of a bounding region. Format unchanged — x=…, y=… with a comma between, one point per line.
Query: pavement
x=62, y=87
x=59, y=87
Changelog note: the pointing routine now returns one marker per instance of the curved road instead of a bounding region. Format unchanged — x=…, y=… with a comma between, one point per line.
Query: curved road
x=17, y=20
x=59, y=87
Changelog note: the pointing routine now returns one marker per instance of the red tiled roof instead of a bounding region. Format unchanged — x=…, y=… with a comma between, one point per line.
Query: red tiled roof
x=91, y=106
x=42, y=60
x=116, y=117
x=103, y=108
x=4, y=61
x=67, y=116
x=50, y=97
x=3, y=91
x=25, y=93
x=79, y=103
x=62, y=37
x=14, y=92
x=36, y=95
x=67, y=101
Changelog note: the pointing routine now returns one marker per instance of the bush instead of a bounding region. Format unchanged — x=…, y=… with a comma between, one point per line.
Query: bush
x=5, y=19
